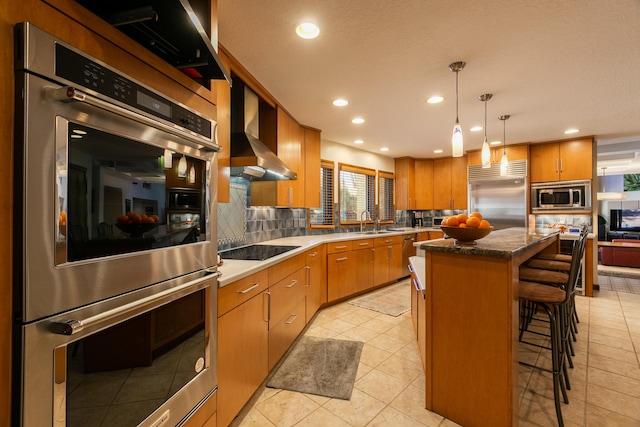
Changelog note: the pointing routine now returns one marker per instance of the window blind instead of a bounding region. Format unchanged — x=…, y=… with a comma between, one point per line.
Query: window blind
x=385, y=196
x=323, y=216
x=357, y=193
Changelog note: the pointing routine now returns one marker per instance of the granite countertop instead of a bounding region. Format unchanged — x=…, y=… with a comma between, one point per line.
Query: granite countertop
x=505, y=243
x=233, y=270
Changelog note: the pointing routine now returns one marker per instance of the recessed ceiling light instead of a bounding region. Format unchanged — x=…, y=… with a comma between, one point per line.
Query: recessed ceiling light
x=307, y=30
x=435, y=99
x=570, y=131
x=495, y=142
x=438, y=151
x=476, y=129
x=340, y=102
x=384, y=149
x=357, y=120
x=358, y=141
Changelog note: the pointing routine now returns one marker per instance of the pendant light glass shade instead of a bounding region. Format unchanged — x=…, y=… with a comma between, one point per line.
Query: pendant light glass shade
x=182, y=167
x=456, y=136
x=504, y=163
x=486, y=151
x=192, y=175
x=167, y=158
x=456, y=140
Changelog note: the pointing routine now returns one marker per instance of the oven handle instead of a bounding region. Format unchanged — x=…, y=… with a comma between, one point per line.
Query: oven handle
x=73, y=326
x=70, y=94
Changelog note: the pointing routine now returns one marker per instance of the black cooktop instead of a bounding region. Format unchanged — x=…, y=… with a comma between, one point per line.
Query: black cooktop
x=256, y=252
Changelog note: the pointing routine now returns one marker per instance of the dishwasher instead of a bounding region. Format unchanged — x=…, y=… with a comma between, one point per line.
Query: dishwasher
x=408, y=250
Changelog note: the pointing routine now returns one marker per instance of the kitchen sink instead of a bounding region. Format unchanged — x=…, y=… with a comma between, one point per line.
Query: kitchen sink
x=375, y=232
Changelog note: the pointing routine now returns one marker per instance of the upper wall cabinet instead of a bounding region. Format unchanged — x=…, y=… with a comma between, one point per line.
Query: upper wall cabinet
x=514, y=152
x=405, y=183
x=450, y=183
x=562, y=161
x=311, y=157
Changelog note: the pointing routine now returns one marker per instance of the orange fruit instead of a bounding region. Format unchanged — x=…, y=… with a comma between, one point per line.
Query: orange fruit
x=463, y=225
x=462, y=218
x=484, y=224
x=473, y=222
x=452, y=221
x=476, y=215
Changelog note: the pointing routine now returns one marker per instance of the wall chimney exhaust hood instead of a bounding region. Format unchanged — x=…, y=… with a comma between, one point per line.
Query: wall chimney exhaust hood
x=250, y=157
x=171, y=29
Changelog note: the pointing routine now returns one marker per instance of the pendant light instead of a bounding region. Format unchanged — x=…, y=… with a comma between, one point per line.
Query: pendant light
x=192, y=175
x=456, y=137
x=168, y=159
x=486, y=151
x=504, y=163
x=182, y=167
x=613, y=195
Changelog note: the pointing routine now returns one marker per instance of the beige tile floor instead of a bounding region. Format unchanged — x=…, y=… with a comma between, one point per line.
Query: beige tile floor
x=389, y=387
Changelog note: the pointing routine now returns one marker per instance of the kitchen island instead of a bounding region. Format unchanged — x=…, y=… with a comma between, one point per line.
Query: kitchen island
x=471, y=334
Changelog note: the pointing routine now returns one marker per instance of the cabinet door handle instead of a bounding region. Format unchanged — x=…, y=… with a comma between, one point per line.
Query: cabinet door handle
x=267, y=301
x=556, y=165
x=410, y=267
x=363, y=244
x=291, y=319
x=308, y=275
x=313, y=254
x=561, y=166
x=255, y=285
x=342, y=259
x=341, y=247
x=292, y=284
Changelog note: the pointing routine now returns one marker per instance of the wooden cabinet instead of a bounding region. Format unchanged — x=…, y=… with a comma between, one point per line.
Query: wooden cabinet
x=450, y=183
x=364, y=255
x=243, y=343
x=423, y=184
x=405, y=183
x=287, y=313
x=311, y=167
x=418, y=313
x=316, y=281
x=514, y=152
x=205, y=414
x=387, y=264
x=562, y=161
x=341, y=274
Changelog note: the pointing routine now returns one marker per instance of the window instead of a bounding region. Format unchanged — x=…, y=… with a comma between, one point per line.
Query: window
x=385, y=197
x=357, y=193
x=322, y=217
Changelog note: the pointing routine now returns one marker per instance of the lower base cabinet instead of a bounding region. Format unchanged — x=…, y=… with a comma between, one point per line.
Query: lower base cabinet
x=205, y=415
x=283, y=333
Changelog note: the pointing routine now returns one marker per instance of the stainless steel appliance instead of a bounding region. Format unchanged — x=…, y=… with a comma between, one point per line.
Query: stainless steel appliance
x=502, y=200
x=408, y=250
x=98, y=286
x=562, y=195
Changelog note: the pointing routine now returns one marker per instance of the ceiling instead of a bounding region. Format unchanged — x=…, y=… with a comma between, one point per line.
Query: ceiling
x=551, y=65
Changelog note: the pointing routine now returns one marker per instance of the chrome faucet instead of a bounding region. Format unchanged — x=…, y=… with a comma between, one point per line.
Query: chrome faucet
x=361, y=220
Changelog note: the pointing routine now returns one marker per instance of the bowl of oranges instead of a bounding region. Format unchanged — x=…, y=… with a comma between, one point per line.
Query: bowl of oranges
x=466, y=229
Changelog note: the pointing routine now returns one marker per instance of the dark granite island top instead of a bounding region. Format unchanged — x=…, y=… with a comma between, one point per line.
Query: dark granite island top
x=507, y=243
x=470, y=355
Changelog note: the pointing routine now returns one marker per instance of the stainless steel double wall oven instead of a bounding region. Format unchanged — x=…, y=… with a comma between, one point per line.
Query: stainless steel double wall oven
x=115, y=311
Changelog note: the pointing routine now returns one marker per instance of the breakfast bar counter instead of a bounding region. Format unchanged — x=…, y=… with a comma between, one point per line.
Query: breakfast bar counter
x=471, y=308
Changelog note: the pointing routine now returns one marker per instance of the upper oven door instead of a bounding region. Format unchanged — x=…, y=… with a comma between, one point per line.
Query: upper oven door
x=80, y=170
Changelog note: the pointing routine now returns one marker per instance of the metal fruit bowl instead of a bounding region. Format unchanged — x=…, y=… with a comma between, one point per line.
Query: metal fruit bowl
x=465, y=234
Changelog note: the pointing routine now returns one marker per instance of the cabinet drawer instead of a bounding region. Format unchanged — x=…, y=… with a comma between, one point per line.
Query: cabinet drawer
x=387, y=240
x=285, y=295
x=283, y=269
x=315, y=253
x=336, y=247
x=361, y=244
x=236, y=293
x=284, y=333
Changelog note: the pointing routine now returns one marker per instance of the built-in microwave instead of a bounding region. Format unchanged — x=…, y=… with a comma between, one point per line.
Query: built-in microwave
x=183, y=199
x=561, y=195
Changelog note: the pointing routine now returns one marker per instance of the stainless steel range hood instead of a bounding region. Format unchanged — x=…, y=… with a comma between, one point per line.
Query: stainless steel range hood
x=250, y=157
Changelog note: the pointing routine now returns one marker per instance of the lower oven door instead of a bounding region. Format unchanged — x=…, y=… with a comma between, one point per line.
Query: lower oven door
x=147, y=358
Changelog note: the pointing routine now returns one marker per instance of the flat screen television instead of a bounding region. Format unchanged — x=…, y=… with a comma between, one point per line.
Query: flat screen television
x=625, y=220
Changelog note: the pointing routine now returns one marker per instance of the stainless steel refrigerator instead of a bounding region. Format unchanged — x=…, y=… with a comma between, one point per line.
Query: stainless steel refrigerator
x=502, y=200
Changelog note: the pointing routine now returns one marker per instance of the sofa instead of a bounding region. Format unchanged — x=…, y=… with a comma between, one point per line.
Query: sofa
x=622, y=256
